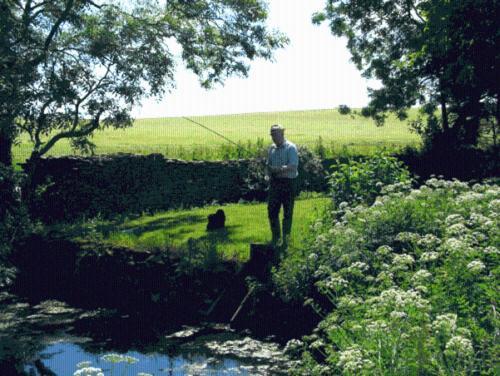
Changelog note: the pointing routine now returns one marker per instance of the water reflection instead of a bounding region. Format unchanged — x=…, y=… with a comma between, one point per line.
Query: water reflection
x=62, y=359
x=50, y=338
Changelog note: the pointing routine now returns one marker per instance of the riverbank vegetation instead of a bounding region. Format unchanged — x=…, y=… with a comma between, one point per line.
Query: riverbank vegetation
x=404, y=284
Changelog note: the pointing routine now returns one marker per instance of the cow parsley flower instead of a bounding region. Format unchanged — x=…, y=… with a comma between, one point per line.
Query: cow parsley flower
x=476, y=266
x=491, y=250
x=352, y=360
x=335, y=282
x=402, y=262
x=494, y=206
x=445, y=325
x=477, y=219
x=397, y=315
x=429, y=256
x=459, y=347
x=453, y=219
x=358, y=265
x=458, y=229
x=384, y=250
x=421, y=276
x=429, y=242
x=376, y=326
x=468, y=197
x=408, y=237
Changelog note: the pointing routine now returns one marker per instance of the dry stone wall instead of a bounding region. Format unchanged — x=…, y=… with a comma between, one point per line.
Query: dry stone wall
x=123, y=183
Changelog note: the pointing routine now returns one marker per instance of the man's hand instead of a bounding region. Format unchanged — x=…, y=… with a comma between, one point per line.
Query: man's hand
x=276, y=170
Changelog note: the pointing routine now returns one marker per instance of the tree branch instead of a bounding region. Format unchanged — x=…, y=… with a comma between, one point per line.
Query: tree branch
x=94, y=124
x=39, y=121
x=58, y=23
x=416, y=13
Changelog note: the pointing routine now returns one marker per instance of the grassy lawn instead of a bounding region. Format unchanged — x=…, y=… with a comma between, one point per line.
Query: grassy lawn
x=175, y=137
x=245, y=223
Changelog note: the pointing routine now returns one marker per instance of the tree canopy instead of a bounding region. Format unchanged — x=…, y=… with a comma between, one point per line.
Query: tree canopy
x=71, y=67
x=439, y=54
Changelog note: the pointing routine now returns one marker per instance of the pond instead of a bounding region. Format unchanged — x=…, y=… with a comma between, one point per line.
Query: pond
x=51, y=338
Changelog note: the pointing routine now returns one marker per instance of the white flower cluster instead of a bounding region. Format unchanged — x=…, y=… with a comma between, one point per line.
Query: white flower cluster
x=421, y=276
x=395, y=298
x=403, y=261
x=476, y=266
x=491, y=250
x=385, y=276
x=397, y=315
x=349, y=301
x=494, y=205
x=445, y=325
x=408, y=237
x=453, y=219
x=384, y=250
x=459, y=346
x=429, y=256
x=469, y=197
x=457, y=229
x=479, y=220
x=377, y=326
x=429, y=242
x=335, y=282
x=89, y=371
x=454, y=245
x=352, y=360
x=357, y=266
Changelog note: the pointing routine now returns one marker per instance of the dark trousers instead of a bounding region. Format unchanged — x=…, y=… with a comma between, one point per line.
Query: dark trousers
x=281, y=192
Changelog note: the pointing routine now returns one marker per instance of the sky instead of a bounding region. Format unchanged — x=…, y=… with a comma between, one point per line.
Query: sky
x=313, y=71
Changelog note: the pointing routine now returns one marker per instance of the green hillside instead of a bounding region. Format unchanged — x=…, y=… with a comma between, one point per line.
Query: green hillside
x=177, y=137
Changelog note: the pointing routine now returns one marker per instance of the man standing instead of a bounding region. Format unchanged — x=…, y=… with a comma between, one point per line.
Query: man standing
x=282, y=164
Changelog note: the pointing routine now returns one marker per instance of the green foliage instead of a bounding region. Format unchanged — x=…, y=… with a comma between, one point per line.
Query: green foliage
x=14, y=219
x=311, y=176
x=344, y=110
x=73, y=67
x=361, y=181
x=440, y=54
x=408, y=284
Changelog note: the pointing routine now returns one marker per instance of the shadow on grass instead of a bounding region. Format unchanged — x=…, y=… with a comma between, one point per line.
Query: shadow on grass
x=168, y=224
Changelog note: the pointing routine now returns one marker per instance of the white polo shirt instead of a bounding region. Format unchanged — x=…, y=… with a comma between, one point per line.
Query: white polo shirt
x=286, y=154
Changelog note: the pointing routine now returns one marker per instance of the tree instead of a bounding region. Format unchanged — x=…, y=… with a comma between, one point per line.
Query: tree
x=442, y=55
x=71, y=67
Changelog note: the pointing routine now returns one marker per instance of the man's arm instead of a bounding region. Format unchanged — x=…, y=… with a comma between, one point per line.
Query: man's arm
x=291, y=166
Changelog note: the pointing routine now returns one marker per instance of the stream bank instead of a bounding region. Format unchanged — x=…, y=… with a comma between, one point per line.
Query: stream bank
x=149, y=293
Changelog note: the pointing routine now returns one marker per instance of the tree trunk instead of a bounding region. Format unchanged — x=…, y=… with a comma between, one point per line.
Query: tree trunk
x=472, y=122
x=5, y=145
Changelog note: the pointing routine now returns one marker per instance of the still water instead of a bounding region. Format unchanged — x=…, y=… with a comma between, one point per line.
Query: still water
x=182, y=353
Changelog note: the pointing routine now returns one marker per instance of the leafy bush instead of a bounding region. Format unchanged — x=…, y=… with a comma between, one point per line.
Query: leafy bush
x=14, y=221
x=408, y=284
x=361, y=181
x=312, y=176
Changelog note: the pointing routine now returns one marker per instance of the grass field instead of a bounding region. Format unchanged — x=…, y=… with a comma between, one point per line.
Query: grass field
x=179, y=138
x=245, y=223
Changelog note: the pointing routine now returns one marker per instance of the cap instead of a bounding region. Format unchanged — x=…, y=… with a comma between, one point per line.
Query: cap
x=277, y=128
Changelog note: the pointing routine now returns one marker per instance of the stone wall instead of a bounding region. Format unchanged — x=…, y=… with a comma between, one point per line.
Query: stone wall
x=125, y=183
